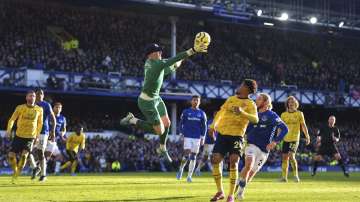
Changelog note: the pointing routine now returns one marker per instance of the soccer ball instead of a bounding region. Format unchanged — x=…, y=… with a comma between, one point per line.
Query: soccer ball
x=203, y=38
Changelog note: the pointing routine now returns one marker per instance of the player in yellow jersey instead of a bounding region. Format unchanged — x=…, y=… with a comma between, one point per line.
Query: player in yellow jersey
x=29, y=119
x=73, y=143
x=231, y=123
x=295, y=121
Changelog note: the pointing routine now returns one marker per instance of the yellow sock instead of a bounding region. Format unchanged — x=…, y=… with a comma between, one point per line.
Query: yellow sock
x=294, y=167
x=73, y=167
x=284, y=167
x=21, y=164
x=218, y=177
x=13, y=164
x=67, y=164
x=233, y=179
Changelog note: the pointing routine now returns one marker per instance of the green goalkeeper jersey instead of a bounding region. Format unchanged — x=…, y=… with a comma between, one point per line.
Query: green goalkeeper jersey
x=155, y=70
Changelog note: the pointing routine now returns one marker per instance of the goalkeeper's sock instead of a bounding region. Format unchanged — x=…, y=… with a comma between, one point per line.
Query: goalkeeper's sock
x=233, y=179
x=341, y=164
x=217, y=174
x=284, y=168
x=294, y=167
x=144, y=125
x=192, y=164
x=163, y=137
x=73, y=167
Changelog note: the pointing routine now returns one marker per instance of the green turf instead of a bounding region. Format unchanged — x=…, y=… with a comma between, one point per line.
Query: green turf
x=164, y=187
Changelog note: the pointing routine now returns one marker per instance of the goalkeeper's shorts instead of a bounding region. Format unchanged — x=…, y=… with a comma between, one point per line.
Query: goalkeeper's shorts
x=153, y=109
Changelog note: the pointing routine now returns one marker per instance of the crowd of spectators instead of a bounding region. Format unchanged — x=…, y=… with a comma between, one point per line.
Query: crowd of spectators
x=113, y=41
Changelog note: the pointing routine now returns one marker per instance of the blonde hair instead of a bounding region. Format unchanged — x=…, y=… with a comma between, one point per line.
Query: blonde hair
x=287, y=102
x=267, y=99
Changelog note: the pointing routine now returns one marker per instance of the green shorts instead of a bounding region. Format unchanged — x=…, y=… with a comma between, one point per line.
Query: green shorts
x=153, y=110
x=20, y=144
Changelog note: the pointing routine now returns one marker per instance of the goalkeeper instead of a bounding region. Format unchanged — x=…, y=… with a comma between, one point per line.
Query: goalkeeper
x=150, y=103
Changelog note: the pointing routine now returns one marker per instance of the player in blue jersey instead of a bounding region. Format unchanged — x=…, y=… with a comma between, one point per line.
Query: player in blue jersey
x=261, y=139
x=193, y=126
x=60, y=131
x=207, y=149
x=47, y=133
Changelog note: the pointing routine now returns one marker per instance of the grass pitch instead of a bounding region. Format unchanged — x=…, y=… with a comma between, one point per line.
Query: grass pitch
x=164, y=187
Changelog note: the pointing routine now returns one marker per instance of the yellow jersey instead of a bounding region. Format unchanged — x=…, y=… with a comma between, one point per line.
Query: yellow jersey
x=227, y=122
x=74, y=141
x=29, y=121
x=293, y=120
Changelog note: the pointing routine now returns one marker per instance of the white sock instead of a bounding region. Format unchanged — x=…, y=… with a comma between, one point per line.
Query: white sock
x=200, y=165
x=43, y=167
x=133, y=121
x=191, y=167
x=162, y=147
x=32, y=161
x=57, y=166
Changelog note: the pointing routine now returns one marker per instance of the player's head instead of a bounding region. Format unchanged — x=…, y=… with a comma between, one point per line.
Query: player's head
x=79, y=129
x=195, y=101
x=263, y=100
x=57, y=107
x=247, y=87
x=332, y=120
x=291, y=104
x=39, y=94
x=153, y=51
x=30, y=97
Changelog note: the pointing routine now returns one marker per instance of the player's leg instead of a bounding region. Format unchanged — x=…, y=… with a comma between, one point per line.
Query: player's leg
x=22, y=161
x=337, y=156
x=216, y=161
x=69, y=162
x=185, y=158
x=152, y=123
x=250, y=157
x=204, y=158
x=294, y=166
x=41, y=152
x=317, y=158
x=194, y=151
x=13, y=164
x=285, y=161
x=165, y=120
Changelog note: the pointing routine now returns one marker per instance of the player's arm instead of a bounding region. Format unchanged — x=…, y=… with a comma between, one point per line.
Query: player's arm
x=12, y=120
x=203, y=128
x=40, y=122
x=251, y=115
x=63, y=129
x=172, y=68
x=318, y=138
x=183, y=114
x=82, y=146
x=282, y=130
x=304, y=128
x=336, y=137
x=53, y=125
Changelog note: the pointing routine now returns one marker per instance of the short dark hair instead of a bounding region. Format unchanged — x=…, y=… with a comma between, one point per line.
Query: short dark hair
x=195, y=96
x=39, y=90
x=57, y=103
x=29, y=91
x=251, y=85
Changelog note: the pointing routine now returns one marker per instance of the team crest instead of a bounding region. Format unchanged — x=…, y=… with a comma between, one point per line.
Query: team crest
x=264, y=118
